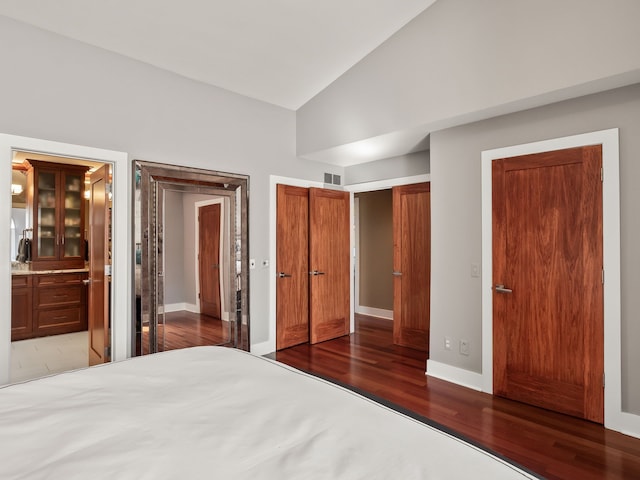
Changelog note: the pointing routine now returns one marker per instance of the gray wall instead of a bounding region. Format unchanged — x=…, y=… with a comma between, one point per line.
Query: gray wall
x=375, y=249
x=395, y=167
x=456, y=222
x=461, y=61
x=175, y=238
x=59, y=89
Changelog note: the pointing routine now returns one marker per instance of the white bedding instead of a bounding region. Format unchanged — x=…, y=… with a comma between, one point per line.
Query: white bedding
x=213, y=412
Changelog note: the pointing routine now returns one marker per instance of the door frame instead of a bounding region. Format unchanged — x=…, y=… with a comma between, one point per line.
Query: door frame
x=224, y=214
x=121, y=239
x=613, y=415
x=362, y=188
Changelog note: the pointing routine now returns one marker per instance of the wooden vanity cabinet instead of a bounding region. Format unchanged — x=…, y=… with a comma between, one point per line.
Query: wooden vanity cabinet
x=52, y=304
x=21, y=307
x=59, y=303
x=56, y=205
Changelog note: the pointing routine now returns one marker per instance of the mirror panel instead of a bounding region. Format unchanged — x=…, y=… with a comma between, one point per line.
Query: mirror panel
x=167, y=269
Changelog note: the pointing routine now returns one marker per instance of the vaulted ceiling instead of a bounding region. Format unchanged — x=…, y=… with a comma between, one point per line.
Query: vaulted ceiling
x=279, y=51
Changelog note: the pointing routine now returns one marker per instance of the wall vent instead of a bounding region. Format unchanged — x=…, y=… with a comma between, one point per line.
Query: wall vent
x=332, y=179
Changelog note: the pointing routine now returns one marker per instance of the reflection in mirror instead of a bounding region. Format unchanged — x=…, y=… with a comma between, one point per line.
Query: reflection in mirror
x=191, y=237
x=18, y=208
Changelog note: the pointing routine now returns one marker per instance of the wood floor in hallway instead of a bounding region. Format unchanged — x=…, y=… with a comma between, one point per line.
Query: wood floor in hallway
x=553, y=445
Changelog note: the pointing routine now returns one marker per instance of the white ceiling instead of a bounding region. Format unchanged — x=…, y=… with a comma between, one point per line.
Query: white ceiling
x=280, y=51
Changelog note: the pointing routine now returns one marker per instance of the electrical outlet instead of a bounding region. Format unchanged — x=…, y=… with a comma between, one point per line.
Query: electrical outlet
x=464, y=347
x=447, y=343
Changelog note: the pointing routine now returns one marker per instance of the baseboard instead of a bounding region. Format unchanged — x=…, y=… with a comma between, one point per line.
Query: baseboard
x=263, y=348
x=456, y=375
x=626, y=423
x=375, y=312
x=180, y=307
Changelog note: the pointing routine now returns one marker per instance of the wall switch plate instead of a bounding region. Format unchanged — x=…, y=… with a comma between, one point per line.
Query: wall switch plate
x=464, y=347
x=475, y=270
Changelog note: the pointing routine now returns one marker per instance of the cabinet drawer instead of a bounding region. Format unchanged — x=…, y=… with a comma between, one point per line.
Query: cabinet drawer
x=58, y=296
x=59, y=278
x=59, y=320
x=20, y=280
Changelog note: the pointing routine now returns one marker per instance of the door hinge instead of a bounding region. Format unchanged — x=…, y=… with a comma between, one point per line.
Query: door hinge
x=107, y=352
x=601, y=174
x=603, y=276
x=603, y=382
x=198, y=296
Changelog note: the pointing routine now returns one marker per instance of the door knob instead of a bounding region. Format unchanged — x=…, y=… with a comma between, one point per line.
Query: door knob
x=316, y=272
x=397, y=274
x=283, y=275
x=500, y=289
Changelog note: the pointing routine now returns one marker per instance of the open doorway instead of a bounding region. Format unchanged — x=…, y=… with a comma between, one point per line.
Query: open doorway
x=52, y=267
x=392, y=264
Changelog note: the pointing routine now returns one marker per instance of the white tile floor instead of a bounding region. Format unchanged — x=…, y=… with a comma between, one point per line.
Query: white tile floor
x=38, y=357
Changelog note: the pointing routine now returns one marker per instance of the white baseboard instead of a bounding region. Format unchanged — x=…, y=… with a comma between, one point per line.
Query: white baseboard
x=375, y=312
x=263, y=348
x=626, y=423
x=455, y=375
x=180, y=307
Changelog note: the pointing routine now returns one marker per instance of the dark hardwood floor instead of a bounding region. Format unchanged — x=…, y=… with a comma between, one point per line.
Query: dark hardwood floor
x=185, y=329
x=553, y=445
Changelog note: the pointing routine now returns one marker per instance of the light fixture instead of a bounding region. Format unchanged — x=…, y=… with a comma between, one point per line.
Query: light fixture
x=16, y=189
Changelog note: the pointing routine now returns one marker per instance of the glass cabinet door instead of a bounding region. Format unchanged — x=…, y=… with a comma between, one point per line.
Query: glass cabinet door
x=45, y=233
x=72, y=215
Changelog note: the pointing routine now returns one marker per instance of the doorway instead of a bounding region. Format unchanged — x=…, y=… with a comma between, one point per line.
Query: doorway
x=312, y=261
x=393, y=260
x=548, y=296
x=59, y=285
x=613, y=416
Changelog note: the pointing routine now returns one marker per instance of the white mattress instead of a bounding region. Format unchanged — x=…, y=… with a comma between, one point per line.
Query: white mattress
x=212, y=412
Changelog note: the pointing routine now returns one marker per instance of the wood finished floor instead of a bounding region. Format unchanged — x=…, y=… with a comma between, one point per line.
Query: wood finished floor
x=186, y=329
x=553, y=445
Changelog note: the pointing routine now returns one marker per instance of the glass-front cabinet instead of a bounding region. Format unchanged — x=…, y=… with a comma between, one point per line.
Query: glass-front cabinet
x=56, y=206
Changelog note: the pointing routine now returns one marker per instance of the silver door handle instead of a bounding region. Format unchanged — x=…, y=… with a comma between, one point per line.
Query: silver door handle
x=397, y=274
x=86, y=281
x=500, y=289
x=283, y=275
x=316, y=272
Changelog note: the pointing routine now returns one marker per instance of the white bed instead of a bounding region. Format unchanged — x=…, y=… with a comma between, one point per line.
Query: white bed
x=213, y=412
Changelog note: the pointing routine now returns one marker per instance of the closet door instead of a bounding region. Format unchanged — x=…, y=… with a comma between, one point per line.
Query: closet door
x=411, y=265
x=292, y=266
x=329, y=264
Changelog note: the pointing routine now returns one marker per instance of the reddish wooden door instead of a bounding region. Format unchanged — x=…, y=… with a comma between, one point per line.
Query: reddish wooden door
x=412, y=265
x=329, y=264
x=209, y=259
x=98, y=310
x=547, y=269
x=292, y=266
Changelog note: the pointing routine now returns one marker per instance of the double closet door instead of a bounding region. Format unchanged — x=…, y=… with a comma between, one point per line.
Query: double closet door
x=312, y=263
